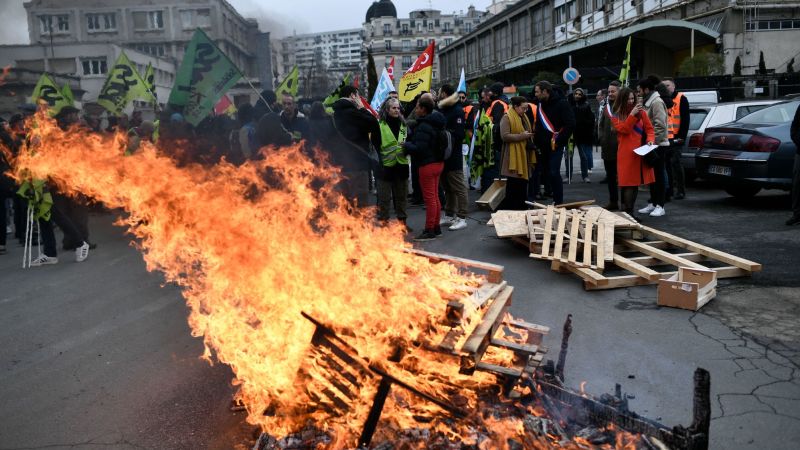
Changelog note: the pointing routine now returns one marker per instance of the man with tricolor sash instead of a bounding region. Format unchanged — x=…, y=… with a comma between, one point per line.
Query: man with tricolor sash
x=555, y=123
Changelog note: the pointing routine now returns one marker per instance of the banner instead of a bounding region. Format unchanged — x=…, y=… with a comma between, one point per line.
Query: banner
x=385, y=86
x=289, y=85
x=625, y=73
x=335, y=95
x=418, y=77
x=47, y=90
x=390, y=69
x=122, y=86
x=224, y=106
x=462, y=83
x=205, y=74
x=150, y=81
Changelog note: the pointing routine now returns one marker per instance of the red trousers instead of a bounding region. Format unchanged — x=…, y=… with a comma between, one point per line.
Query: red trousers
x=429, y=175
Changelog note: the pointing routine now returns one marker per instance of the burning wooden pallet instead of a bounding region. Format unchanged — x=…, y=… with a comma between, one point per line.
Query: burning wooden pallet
x=609, y=250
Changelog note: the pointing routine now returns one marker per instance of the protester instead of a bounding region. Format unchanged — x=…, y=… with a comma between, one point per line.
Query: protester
x=455, y=187
x=482, y=156
x=657, y=113
x=677, y=130
x=495, y=107
x=607, y=137
x=7, y=186
x=425, y=146
x=267, y=102
x=244, y=144
x=73, y=208
x=554, y=126
x=354, y=123
x=271, y=133
x=518, y=156
x=392, y=176
x=633, y=129
x=795, y=135
x=292, y=119
x=584, y=132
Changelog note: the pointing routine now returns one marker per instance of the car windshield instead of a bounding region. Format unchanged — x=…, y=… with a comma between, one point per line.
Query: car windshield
x=780, y=113
x=696, y=118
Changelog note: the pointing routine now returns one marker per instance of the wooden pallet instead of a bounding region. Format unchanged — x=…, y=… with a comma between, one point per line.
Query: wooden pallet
x=566, y=236
x=647, y=255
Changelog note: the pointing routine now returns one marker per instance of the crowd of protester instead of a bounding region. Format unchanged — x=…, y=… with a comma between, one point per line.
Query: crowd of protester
x=429, y=152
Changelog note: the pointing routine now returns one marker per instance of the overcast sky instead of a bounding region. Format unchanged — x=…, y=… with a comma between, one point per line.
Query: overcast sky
x=280, y=17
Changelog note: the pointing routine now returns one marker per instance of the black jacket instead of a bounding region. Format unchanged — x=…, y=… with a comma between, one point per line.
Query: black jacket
x=584, y=123
x=795, y=130
x=423, y=141
x=453, y=113
x=355, y=125
x=557, y=109
x=496, y=113
x=607, y=135
x=298, y=124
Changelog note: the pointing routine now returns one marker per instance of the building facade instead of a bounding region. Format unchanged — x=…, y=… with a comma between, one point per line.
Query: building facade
x=322, y=58
x=388, y=36
x=541, y=35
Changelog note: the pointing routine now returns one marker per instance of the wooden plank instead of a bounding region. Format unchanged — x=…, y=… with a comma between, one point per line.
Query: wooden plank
x=589, y=275
x=493, y=196
x=648, y=261
x=587, y=243
x=477, y=342
x=510, y=223
x=548, y=227
x=573, y=239
x=486, y=292
x=676, y=261
x=575, y=205
x=704, y=250
x=636, y=268
x=601, y=245
x=486, y=367
x=521, y=324
x=516, y=348
x=562, y=223
x=489, y=267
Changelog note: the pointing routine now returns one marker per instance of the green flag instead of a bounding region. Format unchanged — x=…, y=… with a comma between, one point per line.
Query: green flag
x=122, y=86
x=204, y=76
x=150, y=81
x=47, y=90
x=289, y=84
x=625, y=73
x=335, y=95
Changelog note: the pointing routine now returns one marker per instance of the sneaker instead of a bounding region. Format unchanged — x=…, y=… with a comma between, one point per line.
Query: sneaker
x=459, y=224
x=590, y=170
x=82, y=252
x=437, y=231
x=647, y=209
x=587, y=180
x=658, y=211
x=426, y=235
x=44, y=260
x=447, y=220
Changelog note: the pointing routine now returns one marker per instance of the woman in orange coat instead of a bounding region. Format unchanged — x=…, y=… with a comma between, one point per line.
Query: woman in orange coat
x=632, y=132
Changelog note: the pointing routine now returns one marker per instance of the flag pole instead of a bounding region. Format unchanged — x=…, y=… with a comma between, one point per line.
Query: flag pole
x=256, y=90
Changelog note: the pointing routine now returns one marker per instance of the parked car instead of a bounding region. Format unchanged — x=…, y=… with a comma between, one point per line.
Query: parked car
x=709, y=115
x=697, y=97
x=754, y=153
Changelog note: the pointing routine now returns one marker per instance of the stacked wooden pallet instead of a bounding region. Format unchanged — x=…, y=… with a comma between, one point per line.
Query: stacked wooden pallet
x=610, y=250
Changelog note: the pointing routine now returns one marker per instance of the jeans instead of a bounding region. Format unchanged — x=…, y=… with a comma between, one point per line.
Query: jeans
x=429, y=175
x=657, y=189
x=76, y=211
x=389, y=191
x=675, y=174
x=70, y=230
x=556, y=183
x=585, y=153
x=455, y=191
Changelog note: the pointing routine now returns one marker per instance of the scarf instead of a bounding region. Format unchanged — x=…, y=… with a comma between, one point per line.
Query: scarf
x=518, y=158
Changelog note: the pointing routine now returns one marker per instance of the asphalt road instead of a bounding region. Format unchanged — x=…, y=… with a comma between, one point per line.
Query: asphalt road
x=99, y=355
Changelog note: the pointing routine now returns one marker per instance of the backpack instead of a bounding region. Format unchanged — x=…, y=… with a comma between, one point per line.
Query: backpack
x=444, y=145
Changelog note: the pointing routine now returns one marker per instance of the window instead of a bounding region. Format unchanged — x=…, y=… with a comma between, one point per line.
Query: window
x=420, y=44
x=406, y=62
x=186, y=19
x=151, y=49
x=404, y=29
x=468, y=27
x=447, y=28
x=448, y=41
x=387, y=29
x=54, y=24
x=560, y=14
x=406, y=45
x=94, y=66
x=148, y=20
x=430, y=26
x=101, y=22
x=387, y=45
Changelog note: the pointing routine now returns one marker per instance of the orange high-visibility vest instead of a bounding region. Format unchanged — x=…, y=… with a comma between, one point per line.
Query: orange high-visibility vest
x=491, y=107
x=674, y=119
x=467, y=110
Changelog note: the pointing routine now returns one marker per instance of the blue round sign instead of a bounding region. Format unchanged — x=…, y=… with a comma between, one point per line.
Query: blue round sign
x=571, y=75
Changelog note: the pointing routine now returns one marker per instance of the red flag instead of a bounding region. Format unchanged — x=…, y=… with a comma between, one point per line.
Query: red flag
x=390, y=69
x=355, y=83
x=368, y=106
x=224, y=106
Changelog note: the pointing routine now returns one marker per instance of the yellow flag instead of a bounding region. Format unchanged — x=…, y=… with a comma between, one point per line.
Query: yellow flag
x=150, y=82
x=418, y=77
x=122, y=86
x=289, y=84
x=625, y=73
x=47, y=90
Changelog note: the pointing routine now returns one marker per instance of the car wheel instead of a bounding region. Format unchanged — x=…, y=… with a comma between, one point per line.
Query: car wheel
x=739, y=191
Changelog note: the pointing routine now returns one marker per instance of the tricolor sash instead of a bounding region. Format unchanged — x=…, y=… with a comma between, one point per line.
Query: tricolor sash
x=548, y=126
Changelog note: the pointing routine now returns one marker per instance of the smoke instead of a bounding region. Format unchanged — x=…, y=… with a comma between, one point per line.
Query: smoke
x=15, y=23
x=278, y=25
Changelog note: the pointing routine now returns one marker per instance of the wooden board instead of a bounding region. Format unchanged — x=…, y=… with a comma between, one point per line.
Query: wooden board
x=493, y=196
x=480, y=338
x=510, y=223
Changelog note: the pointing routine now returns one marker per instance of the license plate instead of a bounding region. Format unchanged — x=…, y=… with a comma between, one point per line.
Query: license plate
x=720, y=170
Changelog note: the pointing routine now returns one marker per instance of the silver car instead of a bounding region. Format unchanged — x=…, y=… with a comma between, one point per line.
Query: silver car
x=703, y=116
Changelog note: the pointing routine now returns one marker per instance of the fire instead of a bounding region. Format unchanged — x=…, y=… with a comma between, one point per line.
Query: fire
x=255, y=246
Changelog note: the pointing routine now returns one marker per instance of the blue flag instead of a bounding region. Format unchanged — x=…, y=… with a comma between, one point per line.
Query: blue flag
x=462, y=83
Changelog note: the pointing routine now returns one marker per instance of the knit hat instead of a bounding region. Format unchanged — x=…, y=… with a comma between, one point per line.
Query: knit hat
x=497, y=88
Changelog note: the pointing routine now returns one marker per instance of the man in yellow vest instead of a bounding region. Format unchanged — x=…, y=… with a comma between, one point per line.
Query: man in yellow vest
x=677, y=129
x=392, y=178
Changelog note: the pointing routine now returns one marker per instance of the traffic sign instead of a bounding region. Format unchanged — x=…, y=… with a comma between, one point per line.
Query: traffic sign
x=571, y=75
